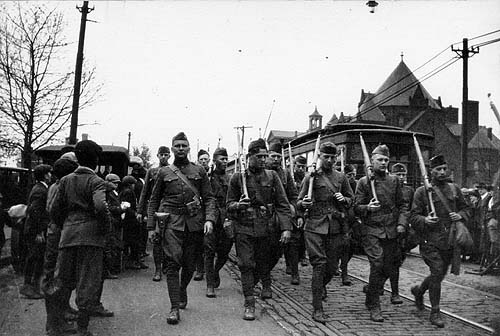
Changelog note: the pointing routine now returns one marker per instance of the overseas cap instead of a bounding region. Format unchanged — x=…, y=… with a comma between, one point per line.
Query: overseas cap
x=328, y=148
x=202, y=152
x=437, y=160
x=399, y=168
x=220, y=151
x=180, y=136
x=163, y=150
x=276, y=147
x=113, y=178
x=382, y=150
x=257, y=146
x=301, y=160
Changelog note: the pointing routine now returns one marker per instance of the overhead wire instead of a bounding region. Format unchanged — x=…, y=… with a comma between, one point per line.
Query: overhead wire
x=485, y=43
x=430, y=74
x=483, y=35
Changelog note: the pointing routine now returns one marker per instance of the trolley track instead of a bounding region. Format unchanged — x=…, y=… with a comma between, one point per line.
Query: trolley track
x=345, y=321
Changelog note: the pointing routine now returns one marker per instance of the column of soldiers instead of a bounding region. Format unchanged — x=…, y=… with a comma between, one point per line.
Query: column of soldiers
x=195, y=214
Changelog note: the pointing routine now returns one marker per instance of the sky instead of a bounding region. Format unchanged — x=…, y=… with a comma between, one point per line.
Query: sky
x=205, y=67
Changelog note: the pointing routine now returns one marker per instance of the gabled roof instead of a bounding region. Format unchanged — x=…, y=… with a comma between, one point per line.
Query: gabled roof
x=285, y=135
x=397, y=90
x=333, y=120
x=368, y=109
x=481, y=140
x=455, y=129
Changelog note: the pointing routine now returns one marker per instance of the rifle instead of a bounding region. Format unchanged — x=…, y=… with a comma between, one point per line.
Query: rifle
x=283, y=165
x=425, y=176
x=291, y=163
x=342, y=159
x=242, y=165
x=368, y=168
x=313, y=168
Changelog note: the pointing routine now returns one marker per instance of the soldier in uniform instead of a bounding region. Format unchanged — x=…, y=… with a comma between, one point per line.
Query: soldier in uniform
x=203, y=160
x=325, y=229
x=383, y=220
x=217, y=243
x=80, y=208
x=253, y=219
x=35, y=231
x=183, y=199
x=299, y=173
x=142, y=208
x=277, y=249
x=399, y=170
x=434, y=232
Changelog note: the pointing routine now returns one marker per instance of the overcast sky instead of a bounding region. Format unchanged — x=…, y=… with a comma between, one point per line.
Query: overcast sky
x=206, y=67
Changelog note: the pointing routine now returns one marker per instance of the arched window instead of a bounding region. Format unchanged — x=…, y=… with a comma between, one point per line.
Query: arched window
x=476, y=165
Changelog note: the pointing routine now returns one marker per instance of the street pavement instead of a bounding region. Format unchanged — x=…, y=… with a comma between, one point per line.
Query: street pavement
x=141, y=307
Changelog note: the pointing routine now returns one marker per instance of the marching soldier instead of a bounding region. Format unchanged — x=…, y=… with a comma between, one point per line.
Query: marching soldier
x=325, y=228
x=253, y=219
x=182, y=199
x=142, y=208
x=400, y=171
x=434, y=231
x=299, y=174
x=203, y=160
x=292, y=262
x=382, y=221
x=217, y=243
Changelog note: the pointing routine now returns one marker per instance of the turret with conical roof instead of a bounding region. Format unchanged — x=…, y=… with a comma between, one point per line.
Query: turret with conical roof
x=315, y=120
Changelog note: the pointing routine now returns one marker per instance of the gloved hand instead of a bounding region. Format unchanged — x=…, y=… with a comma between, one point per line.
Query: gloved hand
x=125, y=205
x=307, y=203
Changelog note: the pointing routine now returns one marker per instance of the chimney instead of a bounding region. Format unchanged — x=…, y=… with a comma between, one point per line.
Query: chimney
x=489, y=132
x=85, y=136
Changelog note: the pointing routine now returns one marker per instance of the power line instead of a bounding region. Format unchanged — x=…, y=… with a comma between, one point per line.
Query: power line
x=483, y=35
x=411, y=85
x=482, y=44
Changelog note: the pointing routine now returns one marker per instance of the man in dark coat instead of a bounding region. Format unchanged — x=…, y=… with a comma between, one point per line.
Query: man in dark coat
x=142, y=208
x=35, y=231
x=203, y=160
x=184, y=204
x=217, y=244
x=80, y=208
x=253, y=214
x=56, y=306
x=300, y=167
x=434, y=230
x=139, y=173
x=326, y=226
x=383, y=219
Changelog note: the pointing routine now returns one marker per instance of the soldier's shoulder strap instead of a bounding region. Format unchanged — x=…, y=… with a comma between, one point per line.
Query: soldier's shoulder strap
x=184, y=179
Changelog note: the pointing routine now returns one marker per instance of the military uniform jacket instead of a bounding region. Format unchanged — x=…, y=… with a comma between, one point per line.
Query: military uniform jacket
x=290, y=188
x=327, y=215
x=393, y=206
x=268, y=203
x=147, y=188
x=37, y=218
x=170, y=194
x=80, y=208
x=437, y=234
x=220, y=184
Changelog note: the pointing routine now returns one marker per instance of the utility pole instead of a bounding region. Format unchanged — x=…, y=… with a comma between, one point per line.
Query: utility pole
x=128, y=144
x=78, y=72
x=464, y=54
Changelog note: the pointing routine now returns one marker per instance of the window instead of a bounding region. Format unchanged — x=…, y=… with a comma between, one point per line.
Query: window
x=476, y=165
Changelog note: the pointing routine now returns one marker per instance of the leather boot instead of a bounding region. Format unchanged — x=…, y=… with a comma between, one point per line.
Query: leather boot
x=324, y=294
x=198, y=276
x=183, y=300
x=249, y=314
x=436, y=318
x=210, y=292
x=396, y=299
x=295, y=279
x=266, y=293
x=376, y=314
x=174, y=316
x=345, y=280
x=419, y=297
x=83, y=323
x=217, y=279
x=157, y=276
x=319, y=316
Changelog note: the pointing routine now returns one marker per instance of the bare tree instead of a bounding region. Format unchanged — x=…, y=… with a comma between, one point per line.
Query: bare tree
x=36, y=80
x=144, y=153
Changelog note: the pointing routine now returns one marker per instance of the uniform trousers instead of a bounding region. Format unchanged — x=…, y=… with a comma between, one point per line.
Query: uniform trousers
x=292, y=250
x=384, y=256
x=323, y=251
x=181, y=248
x=81, y=267
x=439, y=262
x=33, y=266
x=216, y=244
x=253, y=258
